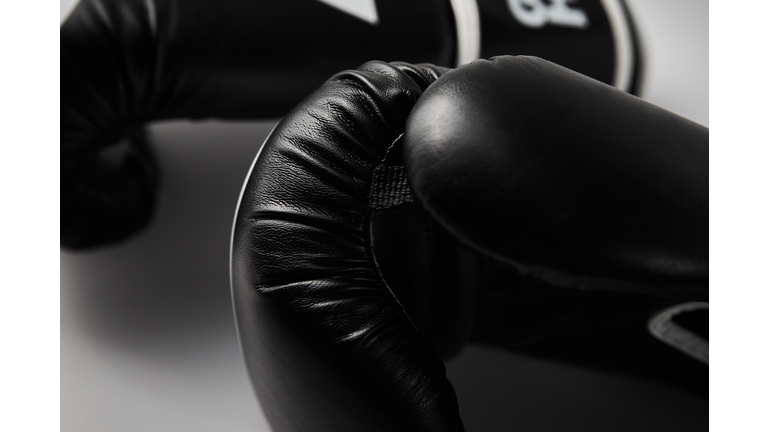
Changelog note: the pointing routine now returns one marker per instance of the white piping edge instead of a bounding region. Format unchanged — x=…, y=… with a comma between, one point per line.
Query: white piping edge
x=65, y=9
x=623, y=47
x=663, y=329
x=467, y=17
x=232, y=239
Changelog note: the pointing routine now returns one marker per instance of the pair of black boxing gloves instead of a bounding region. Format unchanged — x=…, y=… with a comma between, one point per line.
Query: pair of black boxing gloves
x=402, y=211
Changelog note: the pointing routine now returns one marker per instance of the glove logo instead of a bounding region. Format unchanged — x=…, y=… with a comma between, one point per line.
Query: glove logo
x=538, y=13
x=361, y=9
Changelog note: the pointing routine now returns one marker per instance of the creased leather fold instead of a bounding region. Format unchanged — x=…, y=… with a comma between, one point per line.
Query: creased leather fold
x=327, y=345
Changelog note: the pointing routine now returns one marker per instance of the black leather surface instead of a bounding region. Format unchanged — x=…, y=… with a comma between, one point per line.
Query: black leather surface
x=597, y=329
x=564, y=177
x=327, y=344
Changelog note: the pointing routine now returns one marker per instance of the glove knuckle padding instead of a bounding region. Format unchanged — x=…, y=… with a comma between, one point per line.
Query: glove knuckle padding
x=327, y=344
x=561, y=175
x=102, y=98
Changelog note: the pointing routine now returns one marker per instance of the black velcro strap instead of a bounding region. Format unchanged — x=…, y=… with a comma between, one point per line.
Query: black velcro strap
x=389, y=188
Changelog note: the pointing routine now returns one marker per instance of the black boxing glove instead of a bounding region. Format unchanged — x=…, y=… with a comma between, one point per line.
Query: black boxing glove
x=587, y=209
x=327, y=344
x=128, y=62
x=347, y=291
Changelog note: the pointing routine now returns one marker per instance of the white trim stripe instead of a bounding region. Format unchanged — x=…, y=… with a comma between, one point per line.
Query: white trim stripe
x=663, y=329
x=623, y=46
x=467, y=17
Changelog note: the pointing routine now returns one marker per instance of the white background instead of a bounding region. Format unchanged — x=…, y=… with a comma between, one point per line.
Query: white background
x=147, y=336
